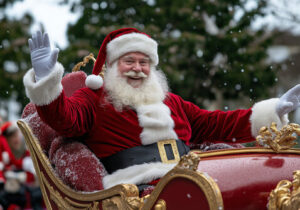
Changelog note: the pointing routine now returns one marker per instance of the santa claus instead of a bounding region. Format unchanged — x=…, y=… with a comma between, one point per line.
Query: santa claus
x=130, y=120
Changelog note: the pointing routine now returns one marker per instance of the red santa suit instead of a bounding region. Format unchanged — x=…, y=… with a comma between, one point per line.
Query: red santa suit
x=4, y=157
x=106, y=131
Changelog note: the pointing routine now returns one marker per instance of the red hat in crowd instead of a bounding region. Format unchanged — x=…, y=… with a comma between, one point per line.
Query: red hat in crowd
x=7, y=128
x=118, y=43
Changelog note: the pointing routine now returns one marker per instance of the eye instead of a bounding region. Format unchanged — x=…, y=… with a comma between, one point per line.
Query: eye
x=144, y=63
x=129, y=62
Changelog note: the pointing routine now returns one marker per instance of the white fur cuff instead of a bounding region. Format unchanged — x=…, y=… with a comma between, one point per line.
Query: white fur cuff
x=137, y=174
x=264, y=113
x=45, y=90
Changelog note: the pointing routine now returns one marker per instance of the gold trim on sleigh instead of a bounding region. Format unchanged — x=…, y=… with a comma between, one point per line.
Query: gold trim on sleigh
x=250, y=150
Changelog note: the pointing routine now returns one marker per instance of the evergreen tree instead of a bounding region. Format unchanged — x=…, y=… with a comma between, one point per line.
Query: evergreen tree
x=14, y=54
x=206, y=48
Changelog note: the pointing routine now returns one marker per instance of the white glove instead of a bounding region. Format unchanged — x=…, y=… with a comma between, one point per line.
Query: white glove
x=289, y=101
x=43, y=58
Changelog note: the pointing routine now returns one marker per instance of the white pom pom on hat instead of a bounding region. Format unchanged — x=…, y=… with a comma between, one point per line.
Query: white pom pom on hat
x=94, y=82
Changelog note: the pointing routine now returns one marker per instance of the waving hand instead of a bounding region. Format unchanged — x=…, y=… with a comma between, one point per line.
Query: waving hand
x=289, y=101
x=43, y=58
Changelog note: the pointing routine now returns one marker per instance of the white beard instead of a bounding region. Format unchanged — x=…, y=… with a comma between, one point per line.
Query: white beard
x=121, y=94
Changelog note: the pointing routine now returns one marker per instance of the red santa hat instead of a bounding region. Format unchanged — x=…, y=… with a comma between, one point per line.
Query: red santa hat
x=7, y=128
x=116, y=44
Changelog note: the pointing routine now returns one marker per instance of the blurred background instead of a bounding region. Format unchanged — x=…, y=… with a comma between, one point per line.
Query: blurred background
x=219, y=54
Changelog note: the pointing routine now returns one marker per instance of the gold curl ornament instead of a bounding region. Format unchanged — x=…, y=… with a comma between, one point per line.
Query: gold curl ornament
x=286, y=195
x=278, y=140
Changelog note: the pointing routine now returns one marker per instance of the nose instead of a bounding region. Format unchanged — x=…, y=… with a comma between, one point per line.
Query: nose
x=137, y=67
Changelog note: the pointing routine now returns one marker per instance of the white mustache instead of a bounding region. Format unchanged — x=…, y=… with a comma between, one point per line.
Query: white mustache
x=135, y=74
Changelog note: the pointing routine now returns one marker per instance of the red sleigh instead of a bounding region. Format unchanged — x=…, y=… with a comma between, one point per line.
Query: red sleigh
x=243, y=178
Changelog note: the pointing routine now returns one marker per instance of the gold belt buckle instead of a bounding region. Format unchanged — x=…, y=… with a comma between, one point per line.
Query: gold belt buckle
x=162, y=151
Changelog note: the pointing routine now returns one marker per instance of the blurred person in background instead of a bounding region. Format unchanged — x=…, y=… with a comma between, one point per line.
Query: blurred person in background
x=17, y=171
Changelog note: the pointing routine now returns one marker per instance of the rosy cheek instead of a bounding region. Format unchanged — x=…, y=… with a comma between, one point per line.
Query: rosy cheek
x=147, y=72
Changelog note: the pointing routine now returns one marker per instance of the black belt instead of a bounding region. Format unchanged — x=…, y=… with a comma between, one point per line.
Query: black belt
x=166, y=151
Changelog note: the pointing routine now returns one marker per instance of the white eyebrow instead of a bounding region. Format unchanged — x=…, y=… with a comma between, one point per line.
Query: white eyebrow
x=130, y=57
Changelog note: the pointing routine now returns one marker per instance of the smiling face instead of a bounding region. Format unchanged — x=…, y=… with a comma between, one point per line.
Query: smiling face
x=134, y=67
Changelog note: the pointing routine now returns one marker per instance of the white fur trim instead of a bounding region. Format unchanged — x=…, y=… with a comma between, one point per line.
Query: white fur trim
x=157, y=123
x=94, y=82
x=5, y=157
x=264, y=113
x=1, y=166
x=46, y=89
x=137, y=174
x=27, y=165
x=133, y=42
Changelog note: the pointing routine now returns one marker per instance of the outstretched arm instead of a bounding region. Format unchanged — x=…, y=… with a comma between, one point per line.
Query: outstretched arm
x=43, y=82
x=44, y=88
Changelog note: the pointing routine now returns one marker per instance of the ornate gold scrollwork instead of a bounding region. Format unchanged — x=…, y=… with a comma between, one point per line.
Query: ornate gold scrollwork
x=283, y=198
x=116, y=202
x=112, y=203
x=130, y=190
x=134, y=203
x=129, y=199
x=189, y=161
x=160, y=205
x=278, y=139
